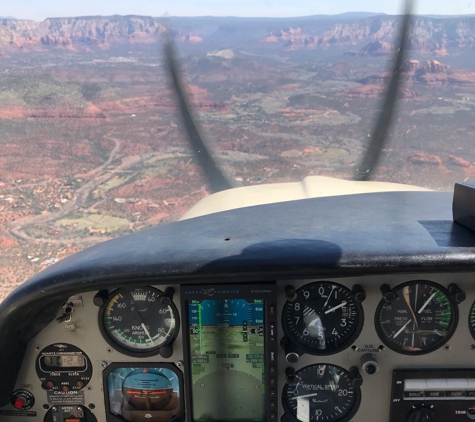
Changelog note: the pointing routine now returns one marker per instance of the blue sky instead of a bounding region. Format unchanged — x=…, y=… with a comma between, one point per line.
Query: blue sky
x=34, y=9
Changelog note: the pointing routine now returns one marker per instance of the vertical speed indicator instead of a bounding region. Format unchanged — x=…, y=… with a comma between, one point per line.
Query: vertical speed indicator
x=321, y=392
x=323, y=318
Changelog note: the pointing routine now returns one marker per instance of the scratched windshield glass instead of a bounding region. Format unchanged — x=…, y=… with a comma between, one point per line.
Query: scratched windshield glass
x=92, y=142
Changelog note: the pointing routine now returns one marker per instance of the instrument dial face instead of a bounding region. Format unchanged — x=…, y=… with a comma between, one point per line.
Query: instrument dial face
x=139, y=321
x=136, y=393
x=471, y=320
x=420, y=320
x=321, y=393
x=323, y=319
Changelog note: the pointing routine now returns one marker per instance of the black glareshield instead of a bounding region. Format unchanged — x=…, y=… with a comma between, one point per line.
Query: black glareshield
x=229, y=334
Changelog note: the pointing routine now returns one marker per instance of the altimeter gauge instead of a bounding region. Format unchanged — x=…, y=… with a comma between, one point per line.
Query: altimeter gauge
x=139, y=322
x=416, y=317
x=322, y=318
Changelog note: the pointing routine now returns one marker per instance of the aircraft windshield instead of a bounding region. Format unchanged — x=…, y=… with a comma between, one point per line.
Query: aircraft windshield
x=92, y=143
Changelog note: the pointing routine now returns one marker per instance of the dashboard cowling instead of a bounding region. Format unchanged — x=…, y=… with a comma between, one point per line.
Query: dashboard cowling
x=378, y=233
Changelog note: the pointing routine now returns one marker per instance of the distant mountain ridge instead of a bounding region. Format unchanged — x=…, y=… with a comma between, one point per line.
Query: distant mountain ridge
x=356, y=29
x=432, y=35
x=81, y=32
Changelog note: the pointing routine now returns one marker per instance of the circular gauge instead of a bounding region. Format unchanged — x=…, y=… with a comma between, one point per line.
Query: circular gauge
x=321, y=393
x=139, y=321
x=324, y=318
x=471, y=320
x=421, y=319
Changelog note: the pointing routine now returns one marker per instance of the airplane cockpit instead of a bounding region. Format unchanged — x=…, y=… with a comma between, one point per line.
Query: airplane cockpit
x=327, y=300
x=342, y=317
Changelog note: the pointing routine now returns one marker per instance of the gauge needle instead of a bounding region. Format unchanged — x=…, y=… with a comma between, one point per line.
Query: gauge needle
x=303, y=397
x=407, y=298
x=427, y=302
x=402, y=329
x=147, y=332
x=329, y=295
x=335, y=307
x=314, y=322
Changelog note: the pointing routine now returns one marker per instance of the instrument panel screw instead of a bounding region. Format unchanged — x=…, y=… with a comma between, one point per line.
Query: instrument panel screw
x=103, y=364
x=358, y=293
x=180, y=364
x=290, y=293
x=447, y=347
x=457, y=293
x=290, y=376
x=100, y=298
x=472, y=347
x=169, y=291
x=46, y=406
x=109, y=350
x=91, y=406
x=388, y=295
x=79, y=409
x=89, y=388
x=37, y=348
x=54, y=409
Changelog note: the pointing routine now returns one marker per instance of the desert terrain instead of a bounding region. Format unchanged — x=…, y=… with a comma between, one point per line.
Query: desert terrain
x=92, y=145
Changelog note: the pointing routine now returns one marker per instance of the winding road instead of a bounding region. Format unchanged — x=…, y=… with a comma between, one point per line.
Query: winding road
x=15, y=228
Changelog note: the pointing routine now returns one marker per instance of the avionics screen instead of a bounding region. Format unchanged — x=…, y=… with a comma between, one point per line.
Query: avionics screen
x=226, y=339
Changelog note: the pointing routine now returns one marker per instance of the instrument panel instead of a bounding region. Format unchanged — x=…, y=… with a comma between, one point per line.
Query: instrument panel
x=347, y=349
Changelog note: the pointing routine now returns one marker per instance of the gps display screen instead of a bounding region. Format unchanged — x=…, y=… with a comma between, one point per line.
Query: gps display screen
x=226, y=339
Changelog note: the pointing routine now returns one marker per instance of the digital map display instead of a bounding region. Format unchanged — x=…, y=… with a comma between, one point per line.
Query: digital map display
x=227, y=359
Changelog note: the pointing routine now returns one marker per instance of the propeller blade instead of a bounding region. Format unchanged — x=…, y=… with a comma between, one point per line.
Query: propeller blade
x=217, y=179
x=370, y=160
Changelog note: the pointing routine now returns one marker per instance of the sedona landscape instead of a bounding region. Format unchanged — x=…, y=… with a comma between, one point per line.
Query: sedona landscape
x=92, y=144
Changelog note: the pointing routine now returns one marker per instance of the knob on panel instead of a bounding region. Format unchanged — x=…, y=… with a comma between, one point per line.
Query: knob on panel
x=22, y=399
x=422, y=414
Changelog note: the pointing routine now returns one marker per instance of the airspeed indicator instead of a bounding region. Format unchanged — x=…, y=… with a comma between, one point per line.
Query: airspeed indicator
x=139, y=321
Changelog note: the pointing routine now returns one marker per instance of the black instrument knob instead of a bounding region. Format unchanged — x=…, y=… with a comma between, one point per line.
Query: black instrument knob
x=359, y=293
x=355, y=377
x=423, y=414
x=388, y=295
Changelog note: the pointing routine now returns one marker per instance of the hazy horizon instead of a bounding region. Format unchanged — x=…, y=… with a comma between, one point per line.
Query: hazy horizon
x=34, y=10
x=233, y=16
